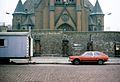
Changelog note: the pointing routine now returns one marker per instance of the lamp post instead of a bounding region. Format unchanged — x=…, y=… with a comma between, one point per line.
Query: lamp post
x=9, y=26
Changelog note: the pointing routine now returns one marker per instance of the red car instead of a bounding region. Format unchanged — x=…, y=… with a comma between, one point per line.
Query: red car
x=89, y=56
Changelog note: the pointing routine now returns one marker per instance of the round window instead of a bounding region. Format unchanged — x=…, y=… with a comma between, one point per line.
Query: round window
x=65, y=17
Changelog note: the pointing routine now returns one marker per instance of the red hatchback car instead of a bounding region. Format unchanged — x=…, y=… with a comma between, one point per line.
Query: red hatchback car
x=89, y=56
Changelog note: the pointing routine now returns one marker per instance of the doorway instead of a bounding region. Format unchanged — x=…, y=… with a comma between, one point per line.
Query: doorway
x=66, y=27
x=65, y=48
x=117, y=48
x=37, y=48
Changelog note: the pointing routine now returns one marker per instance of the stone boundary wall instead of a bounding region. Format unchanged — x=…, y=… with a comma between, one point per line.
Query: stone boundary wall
x=51, y=42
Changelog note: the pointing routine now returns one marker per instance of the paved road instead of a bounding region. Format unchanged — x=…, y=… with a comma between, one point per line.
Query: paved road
x=59, y=73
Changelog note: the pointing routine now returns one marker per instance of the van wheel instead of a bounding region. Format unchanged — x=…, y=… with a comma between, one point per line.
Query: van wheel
x=4, y=60
x=76, y=62
x=100, y=62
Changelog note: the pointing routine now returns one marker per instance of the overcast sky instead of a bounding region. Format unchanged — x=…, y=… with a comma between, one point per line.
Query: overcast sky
x=108, y=6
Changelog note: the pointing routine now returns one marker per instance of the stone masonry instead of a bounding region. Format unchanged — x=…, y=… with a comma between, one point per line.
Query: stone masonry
x=51, y=42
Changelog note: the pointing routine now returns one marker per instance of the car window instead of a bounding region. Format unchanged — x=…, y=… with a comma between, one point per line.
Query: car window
x=96, y=53
x=87, y=54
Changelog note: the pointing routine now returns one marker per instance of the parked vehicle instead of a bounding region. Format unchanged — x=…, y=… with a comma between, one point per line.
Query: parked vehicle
x=89, y=56
x=15, y=45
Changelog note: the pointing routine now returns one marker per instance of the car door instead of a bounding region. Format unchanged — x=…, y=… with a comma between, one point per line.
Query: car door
x=96, y=55
x=87, y=56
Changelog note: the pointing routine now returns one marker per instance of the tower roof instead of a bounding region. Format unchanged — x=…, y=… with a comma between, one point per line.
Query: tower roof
x=97, y=9
x=28, y=21
x=88, y=4
x=19, y=8
x=30, y=5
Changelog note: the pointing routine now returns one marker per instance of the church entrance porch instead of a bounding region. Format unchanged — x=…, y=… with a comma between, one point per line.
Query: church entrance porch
x=66, y=27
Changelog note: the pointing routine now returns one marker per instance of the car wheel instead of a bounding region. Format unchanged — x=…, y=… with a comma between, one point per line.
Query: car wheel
x=100, y=62
x=76, y=62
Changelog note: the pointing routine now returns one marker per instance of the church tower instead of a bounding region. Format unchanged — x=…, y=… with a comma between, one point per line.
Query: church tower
x=21, y=18
x=98, y=18
x=18, y=16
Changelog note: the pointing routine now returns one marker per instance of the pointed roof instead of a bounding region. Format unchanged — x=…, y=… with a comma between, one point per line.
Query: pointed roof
x=68, y=20
x=63, y=12
x=19, y=8
x=28, y=21
x=88, y=4
x=97, y=9
x=30, y=5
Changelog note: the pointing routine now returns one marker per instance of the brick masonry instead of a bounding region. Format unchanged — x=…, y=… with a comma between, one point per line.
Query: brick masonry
x=59, y=73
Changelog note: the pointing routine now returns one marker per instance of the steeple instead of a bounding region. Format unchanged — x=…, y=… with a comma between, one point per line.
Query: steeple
x=19, y=8
x=97, y=9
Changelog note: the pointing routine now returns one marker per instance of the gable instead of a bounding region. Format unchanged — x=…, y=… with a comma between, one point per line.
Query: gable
x=65, y=17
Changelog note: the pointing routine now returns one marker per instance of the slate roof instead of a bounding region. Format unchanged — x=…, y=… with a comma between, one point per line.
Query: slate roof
x=19, y=8
x=31, y=4
x=28, y=21
x=97, y=9
x=88, y=5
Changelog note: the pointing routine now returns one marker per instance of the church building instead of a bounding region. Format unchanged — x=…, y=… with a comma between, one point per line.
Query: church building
x=66, y=15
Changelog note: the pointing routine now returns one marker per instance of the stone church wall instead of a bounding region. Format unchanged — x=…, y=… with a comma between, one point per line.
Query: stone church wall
x=51, y=43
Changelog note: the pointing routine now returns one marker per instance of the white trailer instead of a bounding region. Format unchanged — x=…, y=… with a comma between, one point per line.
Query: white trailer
x=15, y=45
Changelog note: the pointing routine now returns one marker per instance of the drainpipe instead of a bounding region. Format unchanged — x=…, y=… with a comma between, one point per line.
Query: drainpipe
x=29, y=44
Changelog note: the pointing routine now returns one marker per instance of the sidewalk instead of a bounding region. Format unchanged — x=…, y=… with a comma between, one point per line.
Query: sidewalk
x=58, y=60
x=113, y=60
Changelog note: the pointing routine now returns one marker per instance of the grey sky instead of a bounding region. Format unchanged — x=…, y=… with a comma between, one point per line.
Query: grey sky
x=108, y=6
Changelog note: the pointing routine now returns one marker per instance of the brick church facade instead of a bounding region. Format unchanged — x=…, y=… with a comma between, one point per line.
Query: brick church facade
x=66, y=15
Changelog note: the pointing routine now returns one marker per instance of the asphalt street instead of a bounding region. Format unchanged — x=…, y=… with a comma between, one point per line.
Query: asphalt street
x=59, y=73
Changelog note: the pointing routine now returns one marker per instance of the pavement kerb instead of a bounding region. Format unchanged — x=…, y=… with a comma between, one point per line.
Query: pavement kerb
x=61, y=60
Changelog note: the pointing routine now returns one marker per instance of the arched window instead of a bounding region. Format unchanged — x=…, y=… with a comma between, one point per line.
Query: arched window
x=66, y=27
x=18, y=25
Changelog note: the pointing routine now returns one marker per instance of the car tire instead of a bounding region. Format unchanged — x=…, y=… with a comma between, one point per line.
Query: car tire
x=100, y=62
x=76, y=62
